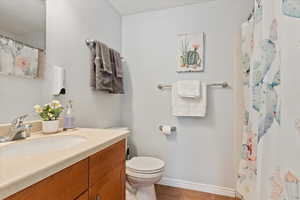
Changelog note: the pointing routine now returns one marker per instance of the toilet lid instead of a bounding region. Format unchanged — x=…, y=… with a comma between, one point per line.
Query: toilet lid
x=145, y=164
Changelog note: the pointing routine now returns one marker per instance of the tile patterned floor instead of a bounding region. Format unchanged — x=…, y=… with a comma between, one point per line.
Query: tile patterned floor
x=171, y=193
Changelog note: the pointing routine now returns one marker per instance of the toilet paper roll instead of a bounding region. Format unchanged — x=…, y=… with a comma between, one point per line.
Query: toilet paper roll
x=167, y=130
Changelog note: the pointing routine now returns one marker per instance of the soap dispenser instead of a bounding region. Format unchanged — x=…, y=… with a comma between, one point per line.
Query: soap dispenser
x=69, y=120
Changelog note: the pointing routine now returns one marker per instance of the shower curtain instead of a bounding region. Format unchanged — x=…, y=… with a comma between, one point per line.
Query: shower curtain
x=269, y=166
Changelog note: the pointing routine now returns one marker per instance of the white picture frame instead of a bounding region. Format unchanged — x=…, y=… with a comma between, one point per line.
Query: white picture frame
x=191, y=51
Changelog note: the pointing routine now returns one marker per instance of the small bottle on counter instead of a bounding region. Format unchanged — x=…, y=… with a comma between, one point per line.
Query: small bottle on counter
x=69, y=120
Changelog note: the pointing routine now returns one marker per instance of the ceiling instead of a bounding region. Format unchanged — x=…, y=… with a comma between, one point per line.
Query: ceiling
x=128, y=7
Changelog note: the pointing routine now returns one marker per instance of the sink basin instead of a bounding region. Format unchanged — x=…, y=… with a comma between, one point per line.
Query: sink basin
x=40, y=146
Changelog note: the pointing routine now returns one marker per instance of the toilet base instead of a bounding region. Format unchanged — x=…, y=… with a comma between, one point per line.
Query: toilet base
x=142, y=193
x=146, y=193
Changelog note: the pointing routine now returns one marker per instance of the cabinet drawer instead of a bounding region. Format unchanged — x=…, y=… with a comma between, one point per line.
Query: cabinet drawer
x=64, y=185
x=111, y=186
x=105, y=161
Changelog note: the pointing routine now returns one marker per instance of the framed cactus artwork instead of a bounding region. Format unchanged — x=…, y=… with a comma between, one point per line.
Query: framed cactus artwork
x=291, y=8
x=191, y=47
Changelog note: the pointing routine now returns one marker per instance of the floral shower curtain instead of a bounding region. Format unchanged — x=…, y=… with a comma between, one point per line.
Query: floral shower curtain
x=268, y=168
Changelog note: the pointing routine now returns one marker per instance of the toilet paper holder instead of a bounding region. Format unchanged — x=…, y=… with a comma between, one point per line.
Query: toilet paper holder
x=173, y=128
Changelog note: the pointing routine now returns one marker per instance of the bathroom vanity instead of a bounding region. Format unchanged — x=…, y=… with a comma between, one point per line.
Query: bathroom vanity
x=93, y=168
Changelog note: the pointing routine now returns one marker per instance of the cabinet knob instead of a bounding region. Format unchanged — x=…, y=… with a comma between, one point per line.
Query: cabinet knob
x=98, y=197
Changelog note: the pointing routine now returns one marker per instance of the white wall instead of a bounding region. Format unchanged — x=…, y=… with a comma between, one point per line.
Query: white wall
x=203, y=150
x=69, y=24
x=18, y=96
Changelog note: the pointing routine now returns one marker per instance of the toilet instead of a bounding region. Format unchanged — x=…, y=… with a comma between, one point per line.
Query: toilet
x=141, y=174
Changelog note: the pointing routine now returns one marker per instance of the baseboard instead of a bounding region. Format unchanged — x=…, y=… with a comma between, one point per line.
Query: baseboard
x=224, y=191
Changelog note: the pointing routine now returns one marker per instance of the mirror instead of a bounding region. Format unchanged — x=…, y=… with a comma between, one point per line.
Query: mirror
x=24, y=21
x=22, y=55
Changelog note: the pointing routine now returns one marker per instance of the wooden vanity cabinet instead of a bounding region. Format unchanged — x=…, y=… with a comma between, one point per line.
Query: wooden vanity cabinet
x=67, y=184
x=110, y=187
x=84, y=196
x=99, y=177
x=107, y=173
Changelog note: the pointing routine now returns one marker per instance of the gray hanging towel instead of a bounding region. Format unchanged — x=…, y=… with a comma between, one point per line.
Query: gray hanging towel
x=103, y=78
x=105, y=56
x=117, y=72
x=118, y=62
x=93, y=67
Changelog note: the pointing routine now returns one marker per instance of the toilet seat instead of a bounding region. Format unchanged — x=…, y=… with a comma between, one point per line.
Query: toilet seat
x=144, y=165
x=145, y=172
x=142, y=173
x=144, y=176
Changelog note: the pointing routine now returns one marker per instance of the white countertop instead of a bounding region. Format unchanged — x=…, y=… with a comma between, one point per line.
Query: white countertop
x=18, y=174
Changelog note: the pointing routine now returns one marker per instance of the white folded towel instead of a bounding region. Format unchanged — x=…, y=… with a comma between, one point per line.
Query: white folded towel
x=189, y=88
x=189, y=107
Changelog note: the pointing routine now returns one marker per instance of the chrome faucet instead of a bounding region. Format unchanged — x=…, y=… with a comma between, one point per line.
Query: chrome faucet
x=18, y=130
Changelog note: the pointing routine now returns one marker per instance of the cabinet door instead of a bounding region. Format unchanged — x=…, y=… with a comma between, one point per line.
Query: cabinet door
x=111, y=186
x=105, y=161
x=84, y=196
x=67, y=184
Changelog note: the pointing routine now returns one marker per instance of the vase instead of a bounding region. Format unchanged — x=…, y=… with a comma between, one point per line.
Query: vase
x=50, y=126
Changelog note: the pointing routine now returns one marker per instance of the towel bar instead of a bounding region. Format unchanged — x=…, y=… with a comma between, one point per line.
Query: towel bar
x=222, y=85
x=90, y=43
